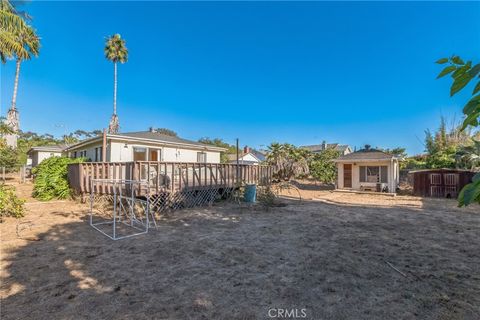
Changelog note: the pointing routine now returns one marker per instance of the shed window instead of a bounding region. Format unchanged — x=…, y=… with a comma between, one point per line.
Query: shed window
x=374, y=174
x=201, y=157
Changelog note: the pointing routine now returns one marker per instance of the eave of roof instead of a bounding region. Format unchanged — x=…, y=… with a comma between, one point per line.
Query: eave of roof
x=370, y=156
x=364, y=160
x=441, y=169
x=47, y=148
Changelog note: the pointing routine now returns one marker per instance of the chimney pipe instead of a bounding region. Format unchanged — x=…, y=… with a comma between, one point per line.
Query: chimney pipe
x=246, y=149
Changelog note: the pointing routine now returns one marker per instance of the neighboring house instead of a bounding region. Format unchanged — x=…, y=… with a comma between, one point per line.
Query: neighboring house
x=368, y=169
x=248, y=156
x=38, y=154
x=317, y=148
x=144, y=146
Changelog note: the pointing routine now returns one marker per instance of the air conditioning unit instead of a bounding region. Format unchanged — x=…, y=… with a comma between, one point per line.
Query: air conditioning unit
x=382, y=187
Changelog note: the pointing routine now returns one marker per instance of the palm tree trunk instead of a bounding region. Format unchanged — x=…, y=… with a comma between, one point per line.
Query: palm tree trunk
x=12, y=116
x=113, y=127
x=15, y=86
x=114, y=88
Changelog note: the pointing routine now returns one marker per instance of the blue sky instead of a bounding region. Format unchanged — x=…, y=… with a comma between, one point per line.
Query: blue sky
x=349, y=72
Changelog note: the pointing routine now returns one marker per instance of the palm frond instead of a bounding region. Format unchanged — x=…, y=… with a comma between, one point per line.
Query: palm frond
x=116, y=49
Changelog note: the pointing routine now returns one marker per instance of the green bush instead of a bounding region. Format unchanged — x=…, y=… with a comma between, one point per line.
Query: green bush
x=322, y=167
x=8, y=157
x=51, y=179
x=10, y=204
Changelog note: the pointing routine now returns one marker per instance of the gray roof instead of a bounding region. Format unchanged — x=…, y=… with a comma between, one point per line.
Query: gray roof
x=367, y=154
x=147, y=136
x=160, y=137
x=322, y=147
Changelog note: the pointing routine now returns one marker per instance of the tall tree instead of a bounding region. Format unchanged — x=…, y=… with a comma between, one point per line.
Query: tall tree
x=115, y=51
x=289, y=161
x=20, y=42
x=10, y=24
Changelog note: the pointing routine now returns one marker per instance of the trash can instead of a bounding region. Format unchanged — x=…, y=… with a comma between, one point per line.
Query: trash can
x=250, y=193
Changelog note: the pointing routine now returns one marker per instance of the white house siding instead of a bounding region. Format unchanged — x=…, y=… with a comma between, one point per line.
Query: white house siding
x=121, y=152
x=39, y=156
x=392, y=175
x=118, y=151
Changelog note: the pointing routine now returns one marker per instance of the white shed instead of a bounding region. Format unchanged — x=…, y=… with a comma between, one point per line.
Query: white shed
x=38, y=154
x=368, y=170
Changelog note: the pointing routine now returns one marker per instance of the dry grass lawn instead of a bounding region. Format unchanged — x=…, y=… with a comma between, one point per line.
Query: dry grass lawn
x=333, y=255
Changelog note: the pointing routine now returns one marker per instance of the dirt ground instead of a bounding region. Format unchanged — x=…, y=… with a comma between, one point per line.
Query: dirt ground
x=336, y=255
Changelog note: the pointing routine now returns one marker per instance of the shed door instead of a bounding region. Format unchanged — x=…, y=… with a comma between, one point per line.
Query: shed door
x=451, y=183
x=436, y=188
x=347, y=175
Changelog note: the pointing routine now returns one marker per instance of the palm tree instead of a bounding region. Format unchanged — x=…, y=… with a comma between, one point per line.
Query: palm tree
x=10, y=24
x=115, y=51
x=18, y=41
x=288, y=160
x=29, y=46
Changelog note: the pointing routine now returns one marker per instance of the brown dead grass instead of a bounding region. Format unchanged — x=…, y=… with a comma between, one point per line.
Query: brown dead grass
x=328, y=255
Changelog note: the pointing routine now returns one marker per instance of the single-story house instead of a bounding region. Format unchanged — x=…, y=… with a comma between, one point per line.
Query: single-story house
x=248, y=156
x=368, y=170
x=317, y=148
x=38, y=154
x=144, y=146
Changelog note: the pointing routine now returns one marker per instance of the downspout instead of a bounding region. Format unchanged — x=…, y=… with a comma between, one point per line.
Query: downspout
x=392, y=181
x=104, y=146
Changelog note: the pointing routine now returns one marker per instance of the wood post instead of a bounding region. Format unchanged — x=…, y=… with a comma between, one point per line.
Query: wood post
x=104, y=146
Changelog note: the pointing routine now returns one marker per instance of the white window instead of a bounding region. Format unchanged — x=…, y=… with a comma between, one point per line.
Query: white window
x=201, y=157
x=374, y=174
x=139, y=154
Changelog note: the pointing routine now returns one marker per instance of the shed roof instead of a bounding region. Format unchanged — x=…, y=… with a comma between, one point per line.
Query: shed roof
x=367, y=155
x=440, y=170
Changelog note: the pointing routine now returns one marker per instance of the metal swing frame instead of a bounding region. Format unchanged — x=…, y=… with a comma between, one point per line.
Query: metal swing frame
x=124, y=204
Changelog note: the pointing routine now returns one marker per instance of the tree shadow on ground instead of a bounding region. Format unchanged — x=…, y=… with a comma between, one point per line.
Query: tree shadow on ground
x=217, y=263
x=308, y=185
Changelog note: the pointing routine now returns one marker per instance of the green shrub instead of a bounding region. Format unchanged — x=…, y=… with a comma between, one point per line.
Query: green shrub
x=10, y=204
x=8, y=157
x=321, y=165
x=51, y=179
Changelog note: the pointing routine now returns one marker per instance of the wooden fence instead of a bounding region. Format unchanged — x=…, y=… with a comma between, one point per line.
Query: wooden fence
x=163, y=177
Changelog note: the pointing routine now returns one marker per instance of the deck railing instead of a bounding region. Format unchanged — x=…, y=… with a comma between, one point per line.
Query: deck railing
x=166, y=176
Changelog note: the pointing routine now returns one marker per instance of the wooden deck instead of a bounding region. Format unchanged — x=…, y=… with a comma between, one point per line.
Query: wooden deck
x=161, y=177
